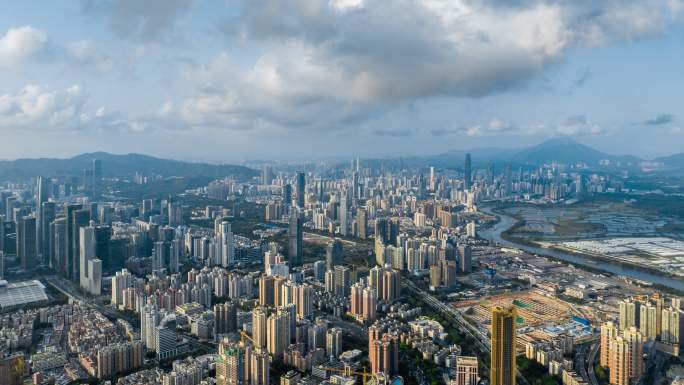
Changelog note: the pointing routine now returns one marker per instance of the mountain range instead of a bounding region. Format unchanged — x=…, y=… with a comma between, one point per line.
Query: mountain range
x=118, y=165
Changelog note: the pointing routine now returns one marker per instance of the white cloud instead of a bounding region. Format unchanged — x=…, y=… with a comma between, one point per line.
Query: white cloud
x=22, y=43
x=37, y=107
x=326, y=63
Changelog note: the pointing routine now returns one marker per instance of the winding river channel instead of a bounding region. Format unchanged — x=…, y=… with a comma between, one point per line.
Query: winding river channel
x=494, y=234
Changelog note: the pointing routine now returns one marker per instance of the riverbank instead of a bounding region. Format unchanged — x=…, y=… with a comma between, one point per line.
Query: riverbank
x=657, y=278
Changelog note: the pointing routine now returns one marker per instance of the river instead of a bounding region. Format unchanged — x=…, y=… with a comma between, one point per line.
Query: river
x=494, y=234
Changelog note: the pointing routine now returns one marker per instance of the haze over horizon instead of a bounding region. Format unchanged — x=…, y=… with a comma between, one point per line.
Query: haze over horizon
x=292, y=79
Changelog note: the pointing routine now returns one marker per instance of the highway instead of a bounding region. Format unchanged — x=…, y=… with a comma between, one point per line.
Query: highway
x=591, y=361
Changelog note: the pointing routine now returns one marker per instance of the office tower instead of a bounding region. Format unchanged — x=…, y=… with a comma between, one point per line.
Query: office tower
x=266, y=174
x=10, y=202
x=466, y=370
x=175, y=256
x=165, y=338
x=383, y=353
x=467, y=172
x=69, y=238
x=95, y=276
x=671, y=325
x=278, y=334
x=391, y=285
x=80, y=218
x=146, y=209
x=259, y=331
x=2, y=234
x=608, y=333
x=266, y=290
x=226, y=244
x=300, y=189
x=333, y=342
x=295, y=240
x=86, y=253
x=259, y=368
x=344, y=212
x=629, y=314
x=490, y=174
x=647, y=321
x=503, y=351
x=626, y=364
x=58, y=245
x=362, y=222
x=47, y=215
x=508, y=180
x=41, y=197
x=319, y=269
x=333, y=254
x=342, y=280
x=225, y=318
x=465, y=260
x=26, y=242
x=287, y=194
x=303, y=300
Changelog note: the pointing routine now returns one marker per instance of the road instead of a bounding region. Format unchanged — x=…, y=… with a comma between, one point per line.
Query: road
x=591, y=361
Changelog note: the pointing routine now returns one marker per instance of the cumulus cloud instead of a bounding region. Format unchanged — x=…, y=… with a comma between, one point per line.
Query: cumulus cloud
x=578, y=125
x=39, y=107
x=139, y=20
x=325, y=63
x=659, y=120
x=22, y=43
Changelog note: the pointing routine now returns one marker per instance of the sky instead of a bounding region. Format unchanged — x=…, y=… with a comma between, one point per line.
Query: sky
x=238, y=80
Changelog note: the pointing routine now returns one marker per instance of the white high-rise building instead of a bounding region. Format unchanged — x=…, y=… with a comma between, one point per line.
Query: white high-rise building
x=225, y=244
x=121, y=281
x=87, y=252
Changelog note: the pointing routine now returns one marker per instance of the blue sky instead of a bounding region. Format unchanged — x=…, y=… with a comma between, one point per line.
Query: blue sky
x=302, y=79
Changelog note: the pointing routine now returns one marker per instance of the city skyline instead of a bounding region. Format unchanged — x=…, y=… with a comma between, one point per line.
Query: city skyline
x=168, y=78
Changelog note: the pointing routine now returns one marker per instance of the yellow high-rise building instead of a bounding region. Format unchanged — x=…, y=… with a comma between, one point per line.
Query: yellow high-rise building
x=503, y=365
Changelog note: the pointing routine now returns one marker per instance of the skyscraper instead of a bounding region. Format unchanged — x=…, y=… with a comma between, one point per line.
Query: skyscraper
x=295, y=240
x=333, y=254
x=465, y=259
x=259, y=331
x=47, y=215
x=608, y=333
x=362, y=222
x=26, y=242
x=41, y=197
x=287, y=194
x=467, y=172
x=80, y=218
x=629, y=314
x=466, y=370
x=301, y=187
x=626, y=364
x=278, y=334
x=333, y=342
x=503, y=352
x=86, y=253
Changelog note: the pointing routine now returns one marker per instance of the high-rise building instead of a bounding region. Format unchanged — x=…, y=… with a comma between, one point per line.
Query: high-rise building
x=647, y=321
x=80, y=218
x=671, y=325
x=333, y=254
x=465, y=259
x=608, y=333
x=278, y=325
x=86, y=253
x=231, y=366
x=259, y=331
x=626, y=363
x=467, y=172
x=301, y=189
x=466, y=370
x=287, y=194
x=225, y=318
x=383, y=353
x=333, y=342
x=629, y=314
x=26, y=242
x=295, y=240
x=41, y=197
x=97, y=177
x=391, y=285
x=47, y=216
x=260, y=366
x=344, y=213
x=362, y=222
x=342, y=280
x=503, y=351
x=266, y=290
x=303, y=300
x=70, y=262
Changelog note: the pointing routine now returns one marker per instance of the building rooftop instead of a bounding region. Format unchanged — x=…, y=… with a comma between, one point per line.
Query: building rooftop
x=17, y=294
